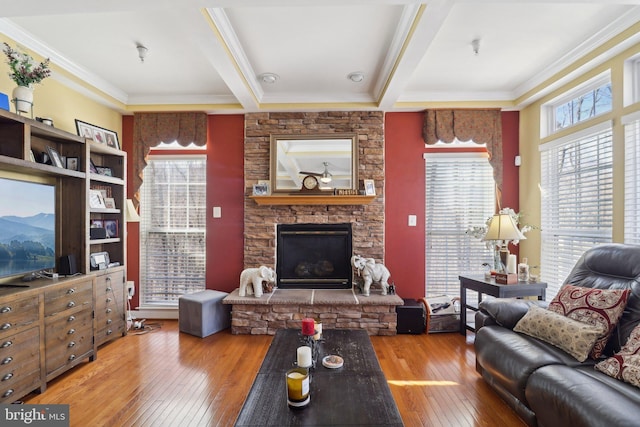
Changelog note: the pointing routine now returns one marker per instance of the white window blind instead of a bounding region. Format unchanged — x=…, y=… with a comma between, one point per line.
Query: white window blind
x=577, y=200
x=172, y=229
x=632, y=180
x=460, y=193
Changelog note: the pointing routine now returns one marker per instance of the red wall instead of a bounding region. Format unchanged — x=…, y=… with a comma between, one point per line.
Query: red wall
x=225, y=188
x=404, y=195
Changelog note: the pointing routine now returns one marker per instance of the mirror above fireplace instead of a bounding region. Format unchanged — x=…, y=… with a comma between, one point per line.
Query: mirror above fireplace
x=333, y=159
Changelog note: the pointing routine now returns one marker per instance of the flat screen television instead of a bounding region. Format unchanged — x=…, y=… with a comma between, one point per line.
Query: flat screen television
x=27, y=227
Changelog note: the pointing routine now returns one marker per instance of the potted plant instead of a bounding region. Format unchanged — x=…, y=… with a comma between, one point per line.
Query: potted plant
x=25, y=72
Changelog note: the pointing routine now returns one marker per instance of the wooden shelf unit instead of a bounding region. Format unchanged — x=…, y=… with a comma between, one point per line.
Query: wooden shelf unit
x=58, y=323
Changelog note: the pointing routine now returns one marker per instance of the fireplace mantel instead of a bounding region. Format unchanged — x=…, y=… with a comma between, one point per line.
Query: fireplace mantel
x=288, y=199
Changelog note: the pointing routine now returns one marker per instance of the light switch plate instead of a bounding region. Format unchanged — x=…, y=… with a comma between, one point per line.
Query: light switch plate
x=413, y=221
x=217, y=212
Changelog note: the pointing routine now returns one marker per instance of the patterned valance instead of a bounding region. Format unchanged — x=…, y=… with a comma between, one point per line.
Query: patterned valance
x=481, y=126
x=149, y=129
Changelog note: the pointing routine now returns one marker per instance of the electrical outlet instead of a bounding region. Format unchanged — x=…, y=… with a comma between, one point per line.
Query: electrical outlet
x=131, y=289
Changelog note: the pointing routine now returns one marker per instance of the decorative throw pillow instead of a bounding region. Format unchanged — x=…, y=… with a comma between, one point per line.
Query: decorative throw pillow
x=574, y=337
x=593, y=306
x=625, y=364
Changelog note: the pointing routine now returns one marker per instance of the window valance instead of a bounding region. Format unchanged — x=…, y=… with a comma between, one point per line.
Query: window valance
x=149, y=129
x=481, y=126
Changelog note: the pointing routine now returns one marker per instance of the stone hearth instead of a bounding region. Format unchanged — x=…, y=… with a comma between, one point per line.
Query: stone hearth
x=337, y=308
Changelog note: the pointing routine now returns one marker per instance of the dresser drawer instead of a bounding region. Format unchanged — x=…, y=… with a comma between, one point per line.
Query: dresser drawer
x=67, y=297
x=20, y=386
x=18, y=313
x=19, y=364
x=108, y=283
x=68, y=337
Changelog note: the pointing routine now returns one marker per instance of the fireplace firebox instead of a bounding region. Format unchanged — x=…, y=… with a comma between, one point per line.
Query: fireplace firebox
x=314, y=256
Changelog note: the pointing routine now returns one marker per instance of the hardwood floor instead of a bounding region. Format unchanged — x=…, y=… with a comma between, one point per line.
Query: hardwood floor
x=166, y=378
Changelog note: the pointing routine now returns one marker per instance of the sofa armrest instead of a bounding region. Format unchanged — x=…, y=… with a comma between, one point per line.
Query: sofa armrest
x=505, y=312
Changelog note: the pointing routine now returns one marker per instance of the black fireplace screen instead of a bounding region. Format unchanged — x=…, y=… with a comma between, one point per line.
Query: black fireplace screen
x=314, y=256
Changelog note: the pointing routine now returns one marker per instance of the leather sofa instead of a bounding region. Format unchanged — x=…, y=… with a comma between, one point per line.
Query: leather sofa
x=545, y=385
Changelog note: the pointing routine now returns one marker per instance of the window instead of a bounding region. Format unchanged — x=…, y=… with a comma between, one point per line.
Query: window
x=172, y=229
x=576, y=106
x=460, y=193
x=631, y=182
x=577, y=200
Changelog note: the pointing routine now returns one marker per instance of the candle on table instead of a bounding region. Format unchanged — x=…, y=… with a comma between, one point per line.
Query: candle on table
x=511, y=264
x=297, y=387
x=304, y=356
x=308, y=327
x=318, y=328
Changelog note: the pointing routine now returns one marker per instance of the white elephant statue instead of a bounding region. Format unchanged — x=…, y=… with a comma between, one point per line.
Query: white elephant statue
x=371, y=273
x=251, y=280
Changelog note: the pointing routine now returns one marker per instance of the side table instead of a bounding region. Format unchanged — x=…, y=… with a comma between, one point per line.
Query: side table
x=489, y=287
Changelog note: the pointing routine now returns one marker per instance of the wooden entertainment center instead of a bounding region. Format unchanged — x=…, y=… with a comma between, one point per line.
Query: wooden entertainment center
x=51, y=324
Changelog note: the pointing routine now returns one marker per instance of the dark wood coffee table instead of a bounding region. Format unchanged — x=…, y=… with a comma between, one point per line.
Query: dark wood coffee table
x=356, y=394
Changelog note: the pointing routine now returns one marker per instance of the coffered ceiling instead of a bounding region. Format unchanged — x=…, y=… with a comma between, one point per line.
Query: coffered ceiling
x=209, y=54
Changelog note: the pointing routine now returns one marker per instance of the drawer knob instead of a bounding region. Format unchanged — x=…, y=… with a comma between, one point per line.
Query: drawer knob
x=7, y=360
x=72, y=357
x=7, y=377
x=8, y=393
x=71, y=291
x=108, y=278
x=71, y=331
x=109, y=300
x=109, y=310
x=109, y=321
x=7, y=344
x=71, y=304
x=71, y=344
x=109, y=289
x=109, y=332
x=6, y=326
x=6, y=309
x=72, y=318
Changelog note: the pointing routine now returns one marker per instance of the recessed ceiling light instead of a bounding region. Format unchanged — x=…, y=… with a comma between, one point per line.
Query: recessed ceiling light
x=269, y=78
x=356, y=76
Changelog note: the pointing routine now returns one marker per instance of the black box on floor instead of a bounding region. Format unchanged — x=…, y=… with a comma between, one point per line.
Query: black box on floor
x=412, y=317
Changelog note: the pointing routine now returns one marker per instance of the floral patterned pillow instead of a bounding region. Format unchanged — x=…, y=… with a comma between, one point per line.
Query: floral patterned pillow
x=598, y=307
x=625, y=364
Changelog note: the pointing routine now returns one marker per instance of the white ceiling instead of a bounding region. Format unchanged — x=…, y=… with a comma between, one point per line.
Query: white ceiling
x=208, y=54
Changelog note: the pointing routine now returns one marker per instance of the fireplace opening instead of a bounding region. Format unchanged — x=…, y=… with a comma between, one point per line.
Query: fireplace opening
x=314, y=256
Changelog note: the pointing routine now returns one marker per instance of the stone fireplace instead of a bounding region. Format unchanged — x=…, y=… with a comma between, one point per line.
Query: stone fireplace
x=337, y=308
x=313, y=256
x=260, y=222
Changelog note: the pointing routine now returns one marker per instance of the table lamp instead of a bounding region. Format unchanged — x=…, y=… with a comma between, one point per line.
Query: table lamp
x=503, y=228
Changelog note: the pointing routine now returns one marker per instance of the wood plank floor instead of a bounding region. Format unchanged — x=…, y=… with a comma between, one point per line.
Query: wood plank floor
x=166, y=378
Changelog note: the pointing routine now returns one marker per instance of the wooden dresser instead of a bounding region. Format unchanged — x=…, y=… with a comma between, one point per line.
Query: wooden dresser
x=53, y=325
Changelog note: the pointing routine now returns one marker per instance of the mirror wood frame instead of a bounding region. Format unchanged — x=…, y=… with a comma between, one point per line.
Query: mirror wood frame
x=352, y=138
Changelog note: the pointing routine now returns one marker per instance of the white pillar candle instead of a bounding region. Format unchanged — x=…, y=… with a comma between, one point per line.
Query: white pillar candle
x=511, y=264
x=304, y=356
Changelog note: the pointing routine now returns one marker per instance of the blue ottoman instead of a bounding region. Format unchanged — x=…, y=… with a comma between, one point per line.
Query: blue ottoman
x=202, y=313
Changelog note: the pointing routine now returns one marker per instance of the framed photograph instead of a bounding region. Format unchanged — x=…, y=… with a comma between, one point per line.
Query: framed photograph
x=260, y=190
x=267, y=183
x=96, y=199
x=98, y=134
x=56, y=160
x=92, y=167
x=72, y=163
x=32, y=156
x=96, y=223
x=111, y=225
x=110, y=202
x=104, y=171
x=369, y=187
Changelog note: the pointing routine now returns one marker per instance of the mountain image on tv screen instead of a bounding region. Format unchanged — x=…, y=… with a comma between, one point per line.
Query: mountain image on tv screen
x=27, y=227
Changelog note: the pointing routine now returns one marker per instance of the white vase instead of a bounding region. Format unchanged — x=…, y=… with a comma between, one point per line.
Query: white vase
x=23, y=98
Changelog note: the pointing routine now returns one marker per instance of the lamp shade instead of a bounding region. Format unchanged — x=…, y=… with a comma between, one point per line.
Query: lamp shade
x=502, y=227
x=131, y=213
